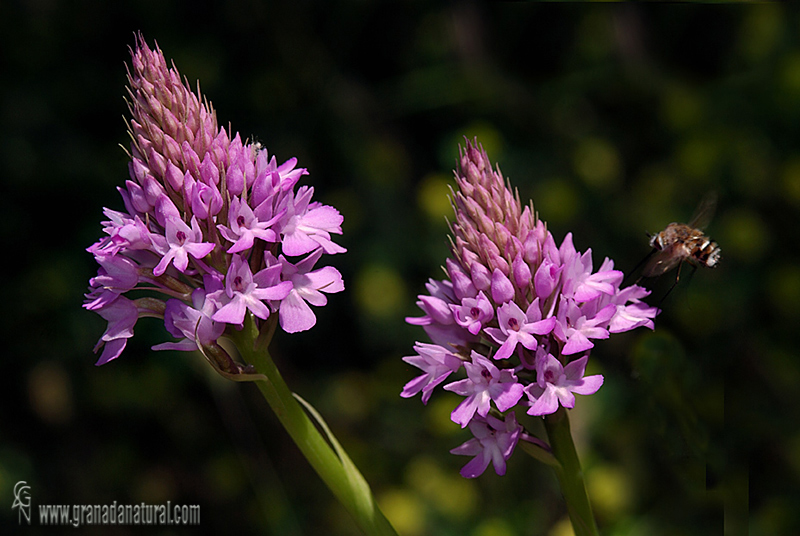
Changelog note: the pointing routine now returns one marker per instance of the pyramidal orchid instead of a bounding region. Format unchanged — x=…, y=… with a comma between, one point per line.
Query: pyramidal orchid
x=217, y=240
x=516, y=317
x=204, y=211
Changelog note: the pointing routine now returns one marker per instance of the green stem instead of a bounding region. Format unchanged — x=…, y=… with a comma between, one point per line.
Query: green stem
x=338, y=473
x=569, y=473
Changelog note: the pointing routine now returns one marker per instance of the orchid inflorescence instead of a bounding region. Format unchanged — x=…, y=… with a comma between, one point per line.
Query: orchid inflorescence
x=516, y=312
x=213, y=226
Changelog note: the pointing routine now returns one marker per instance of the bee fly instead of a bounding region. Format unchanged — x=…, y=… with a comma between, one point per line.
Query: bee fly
x=681, y=242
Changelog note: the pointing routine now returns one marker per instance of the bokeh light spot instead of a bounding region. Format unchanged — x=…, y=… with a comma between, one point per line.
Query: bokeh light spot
x=494, y=526
x=790, y=75
x=610, y=490
x=597, y=163
x=487, y=135
x=432, y=197
x=783, y=287
x=681, y=107
x=562, y=528
x=50, y=393
x=743, y=235
x=379, y=291
x=438, y=414
x=404, y=511
x=791, y=180
x=448, y=493
x=761, y=31
x=697, y=157
x=557, y=201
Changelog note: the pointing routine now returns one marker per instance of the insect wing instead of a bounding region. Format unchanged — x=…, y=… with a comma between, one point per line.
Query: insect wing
x=704, y=212
x=661, y=262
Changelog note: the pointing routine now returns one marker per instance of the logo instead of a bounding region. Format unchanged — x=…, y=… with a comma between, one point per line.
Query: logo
x=22, y=500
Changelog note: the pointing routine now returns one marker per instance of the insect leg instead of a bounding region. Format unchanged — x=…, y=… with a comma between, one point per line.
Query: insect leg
x=636, y=268
x=677, y=278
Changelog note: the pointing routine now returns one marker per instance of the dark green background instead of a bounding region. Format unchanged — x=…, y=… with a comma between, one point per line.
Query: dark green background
x=614, y=119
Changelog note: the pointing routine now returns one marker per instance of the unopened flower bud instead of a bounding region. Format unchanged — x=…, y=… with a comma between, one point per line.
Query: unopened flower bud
x=502, y=289
x=522, y=272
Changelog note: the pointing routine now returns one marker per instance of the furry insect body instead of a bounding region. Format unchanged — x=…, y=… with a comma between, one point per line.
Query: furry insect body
x=681, y=242
x=677, y=243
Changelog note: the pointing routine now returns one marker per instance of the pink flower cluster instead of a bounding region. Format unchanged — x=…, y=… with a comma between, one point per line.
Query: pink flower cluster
x=517, y=313
x=213, y=226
